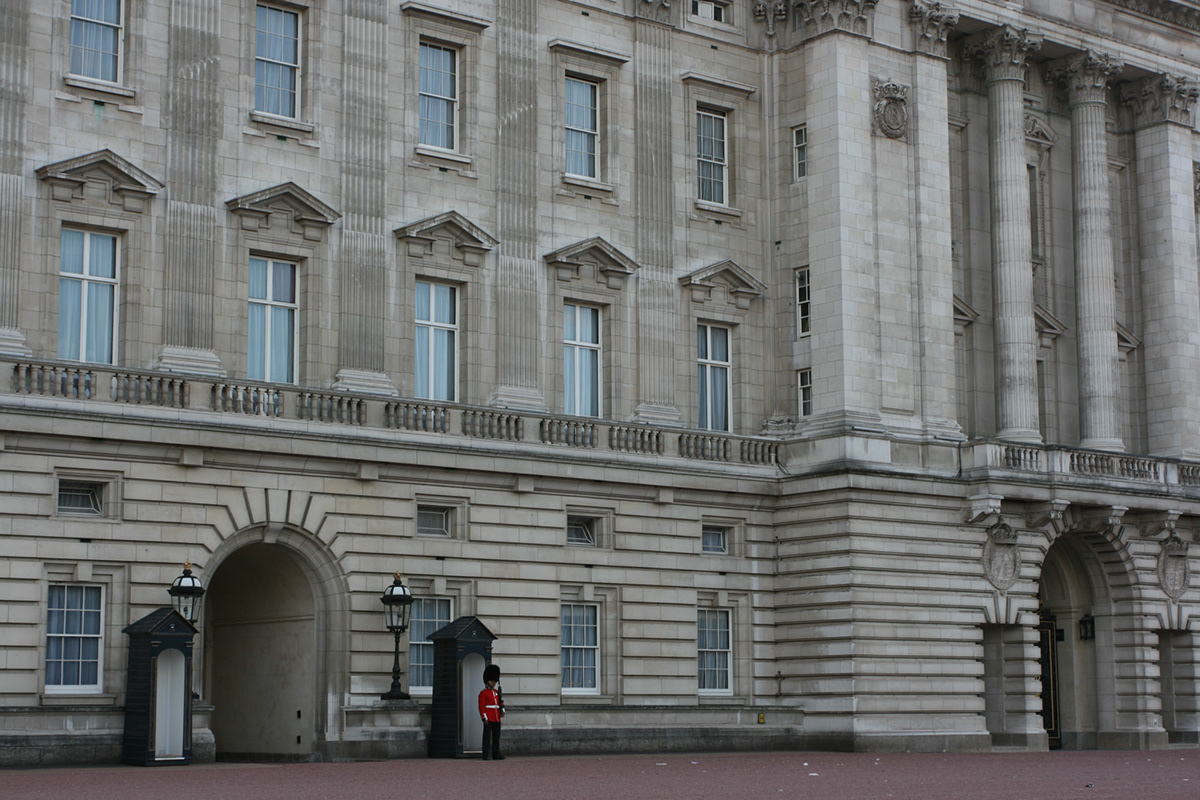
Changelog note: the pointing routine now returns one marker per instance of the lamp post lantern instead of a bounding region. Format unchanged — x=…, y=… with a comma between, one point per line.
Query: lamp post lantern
x=186, y=594
x=396, y=600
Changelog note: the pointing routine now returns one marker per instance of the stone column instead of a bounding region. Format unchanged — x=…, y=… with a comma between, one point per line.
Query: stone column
x=14, y=93
x=1163, y=107
x=1086, y=77
x=1003, y=52
x=519, y=269
x=841, y=213
x=931, y=21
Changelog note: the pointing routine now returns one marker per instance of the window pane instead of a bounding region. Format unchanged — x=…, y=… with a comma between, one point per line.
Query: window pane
x=257, y=349
x=283, y=282
x=283, y=351
x=258, y=279
x=100, y=297
x=70, y=318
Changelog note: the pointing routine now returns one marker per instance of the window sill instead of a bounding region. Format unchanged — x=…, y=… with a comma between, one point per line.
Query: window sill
x=90, y=699
x=78, y=89
x=712, y=212
x=586, y=699
x=575, y=185
x=428, y=157
x=281, y=126
x=101, y=87
x=714, y=699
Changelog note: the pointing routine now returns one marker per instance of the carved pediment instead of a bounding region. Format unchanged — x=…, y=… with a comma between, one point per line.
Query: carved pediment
x=1127, y=342
x=469, y=241
x=964, y=315
x=611, y=266
x=1038, y=131
x=303, y=212
x=740, y=286
x=1049, y=327
x=125, y=184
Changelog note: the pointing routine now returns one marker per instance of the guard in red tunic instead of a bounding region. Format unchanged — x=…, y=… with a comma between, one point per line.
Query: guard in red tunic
x=491, y=710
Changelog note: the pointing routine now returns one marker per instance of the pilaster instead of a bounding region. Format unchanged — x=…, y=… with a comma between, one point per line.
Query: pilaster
x=1003, y=53
x=1086, y=76
x=1163, y=107
x=14, y=92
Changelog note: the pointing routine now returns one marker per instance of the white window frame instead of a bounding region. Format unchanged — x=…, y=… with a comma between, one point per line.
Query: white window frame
x=583, y=531
x=803, y=302
x=89, y=283
x=97, y=686
x=573, y=654
x=446, y=529
x=92, y=490
x=294, y=68
x=418, y=643
x=574, y=383
x=271, y=305
x=80, y=23
x=707, y=366
x=713, y=10
x=804, y=392
x=708, y=159
x=800, y=152
x=424, y=321
x=450, y=101
x=714, y=659
x=591, y=136
x=714, y=539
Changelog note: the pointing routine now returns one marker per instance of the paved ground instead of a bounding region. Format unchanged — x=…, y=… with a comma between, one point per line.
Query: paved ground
x=1158, y=775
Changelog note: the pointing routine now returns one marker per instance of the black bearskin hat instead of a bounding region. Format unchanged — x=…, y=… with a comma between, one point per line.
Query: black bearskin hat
x=491, y=673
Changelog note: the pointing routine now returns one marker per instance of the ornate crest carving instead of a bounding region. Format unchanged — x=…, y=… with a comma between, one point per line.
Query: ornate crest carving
x=770, y=13
x=890, y=112
x=1173, y=571
x=822, y=16
x=1001, y=556
x=1038, y=131
x=657, y=10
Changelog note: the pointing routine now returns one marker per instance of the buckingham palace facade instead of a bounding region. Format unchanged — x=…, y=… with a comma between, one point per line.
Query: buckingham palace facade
x=763, y=375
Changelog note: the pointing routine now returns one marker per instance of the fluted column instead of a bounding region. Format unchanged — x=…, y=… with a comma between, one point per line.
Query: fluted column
x=14, y=94
x=931, y=21
x=1003, y=52
x=1163, y=108
x=1086, y=77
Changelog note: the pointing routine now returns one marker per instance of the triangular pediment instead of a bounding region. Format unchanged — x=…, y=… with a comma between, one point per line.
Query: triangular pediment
x=739, y=284
x=1049, y=327
x=963, y=313
x=1038, y=130
x=304, y=213
x=611, y=266
x=127, y=185
x=1127, y=342
x=469, y=241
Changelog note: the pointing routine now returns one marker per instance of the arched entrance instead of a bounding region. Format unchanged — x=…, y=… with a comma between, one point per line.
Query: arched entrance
x=261, y=652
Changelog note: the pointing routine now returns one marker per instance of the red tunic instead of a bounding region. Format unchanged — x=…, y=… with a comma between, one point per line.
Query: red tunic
x=489, y=705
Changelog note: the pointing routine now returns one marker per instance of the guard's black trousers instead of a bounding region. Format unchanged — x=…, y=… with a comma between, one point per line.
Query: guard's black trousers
x=491, y=740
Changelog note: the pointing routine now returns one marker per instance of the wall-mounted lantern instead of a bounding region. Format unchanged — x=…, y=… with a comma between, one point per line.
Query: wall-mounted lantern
x=1087, y=627
x=397, y=600
x=186, y=594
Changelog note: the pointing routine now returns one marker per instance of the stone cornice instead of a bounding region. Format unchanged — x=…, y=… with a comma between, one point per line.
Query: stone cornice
x=1003, y=52
x=1162, y=98
x=931, y=21
x=822, y=16
x=1185, y=15
x=1086, y=75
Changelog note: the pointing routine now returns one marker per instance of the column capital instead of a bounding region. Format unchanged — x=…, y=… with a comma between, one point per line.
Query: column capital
x=931, y=21
x=1162, y=98
x=1004, y=52
x=822, y=16
x=1086, y=75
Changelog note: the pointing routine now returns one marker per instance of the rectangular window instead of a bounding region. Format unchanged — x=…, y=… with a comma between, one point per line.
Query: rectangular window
x=273, y=320
x=711, y=156
x=433, y=521
x=436, y=341
x=74, y=638
x=87, y=296
x=96, y=39
x=803, y=302
x=800, y=151
x=580, y=648
x=711, y=9
x=804, y=381
x=581, y=360
x=713, y=650
x=438, y=94
x=583, y=128
x=84, y=498
x=714, y=539
x=427, y=615
x=712, y=345
x=581, y=530
x=277, y=62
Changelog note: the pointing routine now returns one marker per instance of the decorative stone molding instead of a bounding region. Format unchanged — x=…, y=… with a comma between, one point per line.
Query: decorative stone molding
x=305, y=214
x=1196, y=182
x=1001, y=556
x=612, y=267
x=1151, y=529
x=1107, y=520
x=128, y=186
x=1165, y=10
x=1003, y=52
x=1040, y=515
x=1174, y=573
x=1162, y=98
x=931, y=22
x=1086, y=75
x=1038, y=131
x=822, y=16
x=470, y=241
x=770, y=14
x=981, y=506
x=740, y=285
x=657, y=10
x=890, y=112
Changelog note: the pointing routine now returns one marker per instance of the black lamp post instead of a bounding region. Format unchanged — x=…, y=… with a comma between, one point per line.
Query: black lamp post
x=186, y=594
x=396, y=602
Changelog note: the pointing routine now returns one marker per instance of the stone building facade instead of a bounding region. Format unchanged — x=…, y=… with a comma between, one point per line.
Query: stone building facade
x=762, y=374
